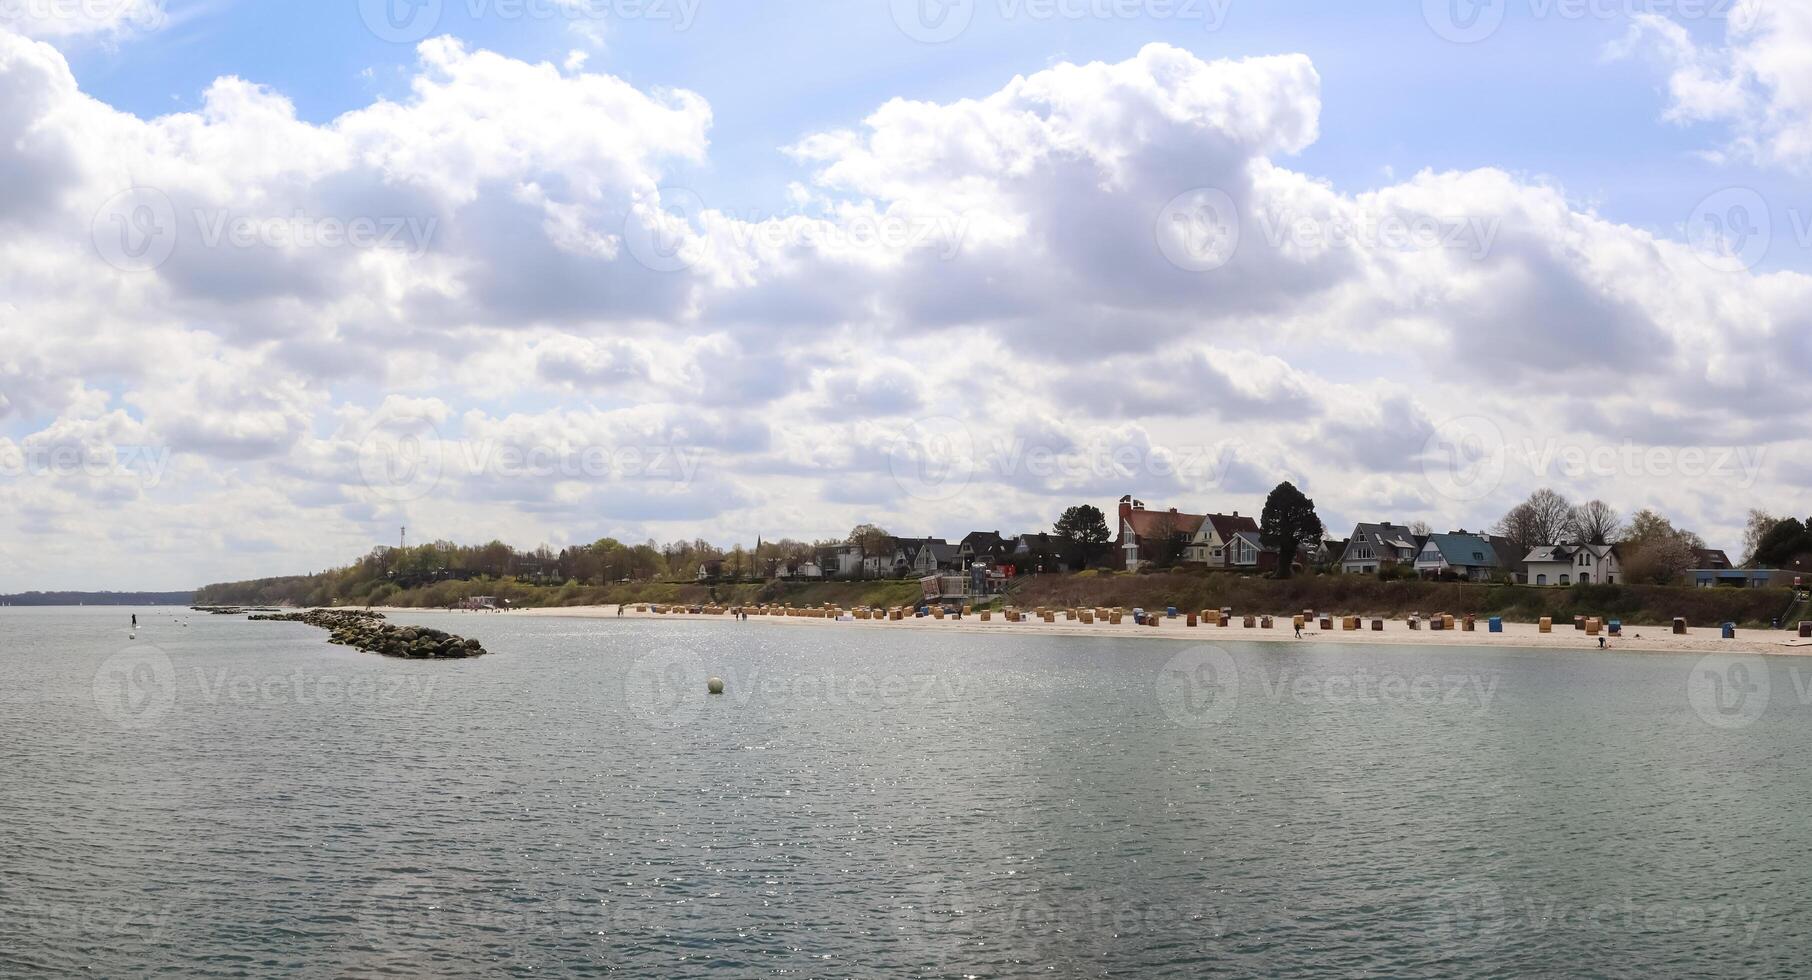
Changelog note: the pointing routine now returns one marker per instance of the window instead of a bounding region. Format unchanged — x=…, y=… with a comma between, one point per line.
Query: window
x=1566, y=579
x=1585, y=578
x=1541, y=580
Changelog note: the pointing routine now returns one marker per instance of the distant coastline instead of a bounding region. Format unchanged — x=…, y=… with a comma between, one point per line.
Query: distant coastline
x=98, y=599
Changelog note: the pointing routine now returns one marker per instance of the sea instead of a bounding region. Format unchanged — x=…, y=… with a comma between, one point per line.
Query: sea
x=205, y=796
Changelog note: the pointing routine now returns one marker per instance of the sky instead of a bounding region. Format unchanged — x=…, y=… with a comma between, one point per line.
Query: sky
x=281, y=278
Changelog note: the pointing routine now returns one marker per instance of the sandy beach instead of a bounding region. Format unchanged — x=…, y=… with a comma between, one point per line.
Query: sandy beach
x=1659, y=639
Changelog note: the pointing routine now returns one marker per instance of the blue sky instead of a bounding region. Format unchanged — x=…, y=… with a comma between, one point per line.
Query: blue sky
x=850, y=270
x=1538, y=97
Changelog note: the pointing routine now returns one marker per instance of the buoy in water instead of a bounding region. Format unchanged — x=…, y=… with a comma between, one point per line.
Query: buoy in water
x=715, y=685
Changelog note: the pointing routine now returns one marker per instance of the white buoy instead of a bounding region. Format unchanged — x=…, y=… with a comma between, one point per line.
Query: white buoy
x=715, y=685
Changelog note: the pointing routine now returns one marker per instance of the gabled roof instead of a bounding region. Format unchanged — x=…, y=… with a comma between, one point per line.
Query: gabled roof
x=1226, y=526
x=1464, y=550
x=1152, y=523
x=1568, y=552
x=1382, y=536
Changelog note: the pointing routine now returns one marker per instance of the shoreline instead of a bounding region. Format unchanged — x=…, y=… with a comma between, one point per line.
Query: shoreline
x=1701, y=640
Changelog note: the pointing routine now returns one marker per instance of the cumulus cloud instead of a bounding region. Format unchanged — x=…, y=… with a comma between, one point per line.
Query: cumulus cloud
x=1099, y=279
x=1758, y=83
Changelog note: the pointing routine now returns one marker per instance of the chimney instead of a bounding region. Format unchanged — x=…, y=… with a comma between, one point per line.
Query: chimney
x=1173, y=510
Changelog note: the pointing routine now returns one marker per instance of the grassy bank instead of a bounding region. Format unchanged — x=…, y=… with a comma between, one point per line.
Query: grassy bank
x=1640, y=605
x=523, y=595
x=1643, y=605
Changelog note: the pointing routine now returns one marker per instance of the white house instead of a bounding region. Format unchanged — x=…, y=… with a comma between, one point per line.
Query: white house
x=1569, y=564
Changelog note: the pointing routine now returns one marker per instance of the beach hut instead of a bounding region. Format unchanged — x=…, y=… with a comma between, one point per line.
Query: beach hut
x=1447, y=622
x=1593, y=626
x=1266, y=623
x=1377, y=626
x=1194, y=620
x=1805, y=630
x=1470, y=624
x=1250, y=621
x=1547, y=624
x=1579, y=623
x=1495, y=624
x=1729, y=631
x=1679, y=625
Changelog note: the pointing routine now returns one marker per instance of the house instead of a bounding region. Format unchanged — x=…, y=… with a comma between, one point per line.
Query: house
x=710, y=569
x=1711, y=559
x=1212, y=543
x=1153, y=537
x=798, y=569
x=1468, y=556
x=924, y=556
x=1033, y=554
x=1323, y=553
x=983, y=548
x=1569, y=564
x=1373, y=546
x=1746, y=578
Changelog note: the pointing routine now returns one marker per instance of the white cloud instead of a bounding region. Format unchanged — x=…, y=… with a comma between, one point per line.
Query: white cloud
x=1758, y=83
x=997, y=265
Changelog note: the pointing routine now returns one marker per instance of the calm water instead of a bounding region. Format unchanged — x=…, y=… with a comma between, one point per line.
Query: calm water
x=233, y=798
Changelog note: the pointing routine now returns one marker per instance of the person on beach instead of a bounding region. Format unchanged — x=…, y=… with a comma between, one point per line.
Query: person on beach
x=1298, y=630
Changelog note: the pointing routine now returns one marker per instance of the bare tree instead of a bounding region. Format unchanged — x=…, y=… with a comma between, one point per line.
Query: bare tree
x=1760, y=523
x=1541, y=519
x=1552, y=514
x=1594, y=522
x=1421, y=529
x=1519, y=528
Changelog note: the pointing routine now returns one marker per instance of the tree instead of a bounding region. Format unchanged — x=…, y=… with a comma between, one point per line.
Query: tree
x=1655, y=552
x=1421, y=529
x=1519, y=527
x=1594, y=522
x=1541, y=519
x=1289, y=518
x=1085, y=528
x=1760, y=523
x=870, y=540
x=1785, y=541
